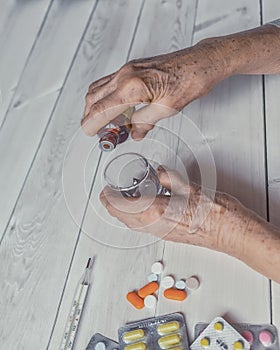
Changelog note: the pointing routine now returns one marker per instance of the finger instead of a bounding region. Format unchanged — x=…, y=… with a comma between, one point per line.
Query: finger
x=97, y=94
x=172, y=181
x=145, y=118
x=100, y=82
x=125, y=205
x=102, y=112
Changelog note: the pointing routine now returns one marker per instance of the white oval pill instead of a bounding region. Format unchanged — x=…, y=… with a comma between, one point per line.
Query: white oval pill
x=167, y=282
x=192, y=283
x=150, y=301
x=157, y=268
x=153, y=277
x=100, y=346
x=181, y=284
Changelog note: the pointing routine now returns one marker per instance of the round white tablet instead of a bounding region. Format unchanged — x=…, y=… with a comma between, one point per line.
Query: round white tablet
x=192, y=283
x=153, y=277
x=150, y=301
x=100, y=346
x=167, y=282
x=157, y=268
x=181, y=284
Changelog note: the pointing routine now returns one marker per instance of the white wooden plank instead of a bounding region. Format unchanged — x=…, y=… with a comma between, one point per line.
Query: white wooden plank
x=39, y=243
x=229, y=117
x=121, y=270
x=36, y=95
x=271, y=11
x=17, y=36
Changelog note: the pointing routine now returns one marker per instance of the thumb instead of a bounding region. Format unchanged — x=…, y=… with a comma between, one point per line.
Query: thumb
x=172, y=181
x=144, y=119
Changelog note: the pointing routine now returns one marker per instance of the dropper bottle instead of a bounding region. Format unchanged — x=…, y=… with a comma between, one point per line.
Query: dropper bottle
x=115, y=132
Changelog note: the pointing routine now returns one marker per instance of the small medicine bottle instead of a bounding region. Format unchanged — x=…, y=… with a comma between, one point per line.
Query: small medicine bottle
x=117, y=131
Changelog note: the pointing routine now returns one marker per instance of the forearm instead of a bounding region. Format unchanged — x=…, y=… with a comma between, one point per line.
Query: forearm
x=261, y=248
x=255, y=51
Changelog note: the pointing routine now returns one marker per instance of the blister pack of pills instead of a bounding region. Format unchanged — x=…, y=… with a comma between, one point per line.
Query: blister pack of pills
x=100, y=342
x=220, y=335
x=260, y=337
x=163, y=332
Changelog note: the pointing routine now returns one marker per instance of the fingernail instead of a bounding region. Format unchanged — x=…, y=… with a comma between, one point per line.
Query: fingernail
x=160, y=168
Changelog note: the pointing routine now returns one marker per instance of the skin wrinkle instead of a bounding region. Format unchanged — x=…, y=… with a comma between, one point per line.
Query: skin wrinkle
x=174, y=80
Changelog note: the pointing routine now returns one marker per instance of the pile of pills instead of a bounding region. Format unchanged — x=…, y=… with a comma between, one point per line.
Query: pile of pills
x=163, y=332
x=220, y=335
x=173, y=290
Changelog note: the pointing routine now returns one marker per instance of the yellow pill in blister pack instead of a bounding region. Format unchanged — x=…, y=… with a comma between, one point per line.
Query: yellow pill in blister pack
x=132, y=336
x=168, y=327
x=218, y=326
x=136, y=346
x=238, y=345
x=205, y=342
x=169, y=341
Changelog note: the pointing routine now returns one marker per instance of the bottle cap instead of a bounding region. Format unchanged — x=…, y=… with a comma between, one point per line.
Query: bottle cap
x=108, y=142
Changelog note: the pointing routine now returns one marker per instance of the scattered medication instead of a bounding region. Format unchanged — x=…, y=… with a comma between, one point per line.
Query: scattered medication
x=168, y=327
x=205, y=342
x=100, y=342
x=100, y=346
x=266, y=338
x=248, y=336
x=238, y=345
x=135, y=300
x=219, y=334
x=167, y=282
x=150, y=301
x=192, y=283
x=153, y=277
x=132, y=336
x=136, y=346
x=148, y=289
x=163, y=332
x=218, y=326
x=175, y=294
x=157, y=268
x=260, y=337
x=169, y=341
x=181, y=284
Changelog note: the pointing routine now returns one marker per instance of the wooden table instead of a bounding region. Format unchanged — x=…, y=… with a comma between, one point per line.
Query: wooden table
x=50, y=52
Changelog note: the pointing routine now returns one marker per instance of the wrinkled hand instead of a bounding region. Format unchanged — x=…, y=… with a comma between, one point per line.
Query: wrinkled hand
x=220, y=224
x=167, y=83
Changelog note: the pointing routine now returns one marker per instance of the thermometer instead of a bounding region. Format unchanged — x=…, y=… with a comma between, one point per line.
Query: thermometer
x=76, y=310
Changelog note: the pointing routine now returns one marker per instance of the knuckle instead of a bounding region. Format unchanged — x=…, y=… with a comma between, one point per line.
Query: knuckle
x=89, y=98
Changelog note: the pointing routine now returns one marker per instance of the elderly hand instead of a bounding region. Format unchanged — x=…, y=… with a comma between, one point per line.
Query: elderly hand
x=220, y=225
x=168, y=81
x=223, y=224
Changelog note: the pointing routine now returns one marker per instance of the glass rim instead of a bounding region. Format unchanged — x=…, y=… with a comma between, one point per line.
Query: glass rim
x=132, y=187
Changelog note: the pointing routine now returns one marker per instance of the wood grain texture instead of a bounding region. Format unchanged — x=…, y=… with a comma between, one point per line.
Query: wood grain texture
x=271, y=11
x=36, y=94
x=122, y=270
x=39, y=243
x=17, y=36
x=228, y=117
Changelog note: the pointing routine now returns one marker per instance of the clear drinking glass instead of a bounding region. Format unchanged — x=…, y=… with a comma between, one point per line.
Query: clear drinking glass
x=133, y=176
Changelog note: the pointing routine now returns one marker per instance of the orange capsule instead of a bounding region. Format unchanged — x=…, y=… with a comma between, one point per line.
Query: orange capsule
x=135, y=300
x=175, y=294
x=148, y=289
